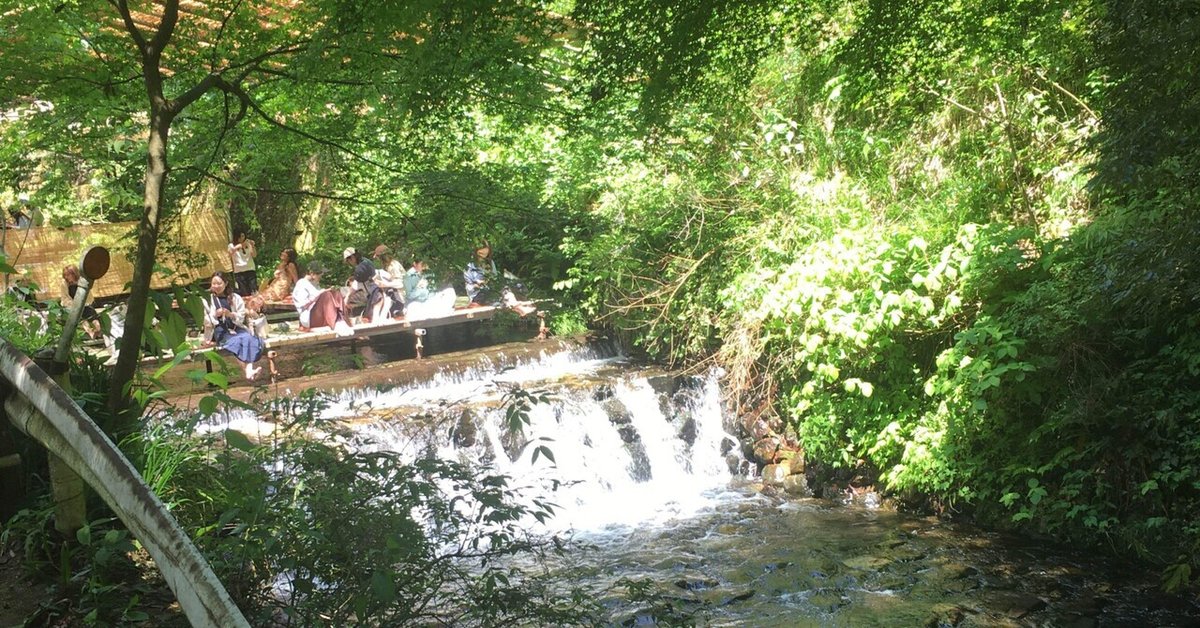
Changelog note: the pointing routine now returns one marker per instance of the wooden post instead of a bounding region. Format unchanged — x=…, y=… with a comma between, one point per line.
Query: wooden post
x=66, y=487
x=419, y=333
x=40, y=409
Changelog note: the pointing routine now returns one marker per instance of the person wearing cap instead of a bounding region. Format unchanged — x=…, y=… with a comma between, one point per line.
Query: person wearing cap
x=389, y=276
x=319, y=307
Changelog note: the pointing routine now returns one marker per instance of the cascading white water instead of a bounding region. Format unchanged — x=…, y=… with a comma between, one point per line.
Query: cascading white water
x=618, y=459
x=630, y=446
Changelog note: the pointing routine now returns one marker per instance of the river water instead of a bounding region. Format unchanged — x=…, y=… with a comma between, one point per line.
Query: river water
x=651, y=484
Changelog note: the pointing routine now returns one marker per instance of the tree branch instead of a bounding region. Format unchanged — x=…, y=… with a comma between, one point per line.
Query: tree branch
x=278, y=192
x=122, y=7
x=216, y=44
x=166, y=28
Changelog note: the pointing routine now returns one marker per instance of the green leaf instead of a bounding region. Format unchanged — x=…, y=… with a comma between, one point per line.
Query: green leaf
x=207, y=405
x=238, y=440
x=383, y=587
x=217, y=379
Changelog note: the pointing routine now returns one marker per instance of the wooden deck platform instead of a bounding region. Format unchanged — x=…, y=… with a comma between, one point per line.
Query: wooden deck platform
x=296, y=338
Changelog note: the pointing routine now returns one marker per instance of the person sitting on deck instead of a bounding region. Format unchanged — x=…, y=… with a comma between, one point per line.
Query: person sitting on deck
x=241, y=256
x=287, y=273
x=89, y=319
x=390, y=277
x=224, y=318
x=478, y=275
x=318, y=307
x=364, y=292
x=484, y=284
x=421, y=302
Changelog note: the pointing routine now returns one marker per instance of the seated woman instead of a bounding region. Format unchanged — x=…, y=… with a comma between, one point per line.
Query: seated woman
x=287, y=273
x=318, y=307
x=486, y=286
x=478, y=275
x=224, y=319
x=389, y=276
x=421, y=303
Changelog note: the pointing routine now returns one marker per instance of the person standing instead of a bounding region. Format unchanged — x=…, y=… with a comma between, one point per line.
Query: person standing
x=241, y=256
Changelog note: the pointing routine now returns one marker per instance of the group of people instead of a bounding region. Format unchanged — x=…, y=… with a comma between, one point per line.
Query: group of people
x=379, y=288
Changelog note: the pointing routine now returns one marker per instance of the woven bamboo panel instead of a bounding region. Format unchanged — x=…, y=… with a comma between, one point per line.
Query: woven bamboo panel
x=192, y=247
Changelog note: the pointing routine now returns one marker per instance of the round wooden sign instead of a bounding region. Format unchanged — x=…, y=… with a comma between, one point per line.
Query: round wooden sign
x=95, y=262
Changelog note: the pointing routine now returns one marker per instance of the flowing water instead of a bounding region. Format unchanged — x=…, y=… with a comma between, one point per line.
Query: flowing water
x=651, y=484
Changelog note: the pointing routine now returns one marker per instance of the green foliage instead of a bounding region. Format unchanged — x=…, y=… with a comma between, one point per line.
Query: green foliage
x=359, y=535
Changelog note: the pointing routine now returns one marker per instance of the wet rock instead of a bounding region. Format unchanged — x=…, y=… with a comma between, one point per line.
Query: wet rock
x=734, y=462
x=465, y=432
x=628, y=434
x=770, y=567
x=767, y=450
x=688, y=432
x=603, y=392
x=828, y=601
x=958, y=571
x=739, y=597
x=664, y=385
x=867, y=562
x=696, y=584
x=617, y=413
x=796, y=485
x=727, y=445
x=1016, y=604
x=796, y=463
x=944, y=615
x=774, y=474
x=727, y=528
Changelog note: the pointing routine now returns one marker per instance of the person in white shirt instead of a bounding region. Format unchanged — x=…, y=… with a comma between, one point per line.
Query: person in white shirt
x=389, y=276
x=241, y=256
x=319, y=307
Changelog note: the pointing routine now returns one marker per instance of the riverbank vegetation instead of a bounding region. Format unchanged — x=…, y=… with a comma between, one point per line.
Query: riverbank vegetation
x=949, y=248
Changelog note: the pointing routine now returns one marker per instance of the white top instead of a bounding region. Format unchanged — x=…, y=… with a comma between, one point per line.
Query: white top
x=243, y=256
x=390, y=277
x=304, y=296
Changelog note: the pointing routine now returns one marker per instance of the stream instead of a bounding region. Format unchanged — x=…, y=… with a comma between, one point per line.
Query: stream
x=650, y=482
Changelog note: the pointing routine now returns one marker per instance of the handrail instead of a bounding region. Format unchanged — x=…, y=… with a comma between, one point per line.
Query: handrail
x=37, y=406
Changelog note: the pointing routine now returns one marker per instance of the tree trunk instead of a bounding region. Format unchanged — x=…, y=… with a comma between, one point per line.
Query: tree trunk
x=143, y=265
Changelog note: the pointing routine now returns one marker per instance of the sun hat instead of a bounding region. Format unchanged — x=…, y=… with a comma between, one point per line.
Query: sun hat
x=349, y=252
x=382, y=249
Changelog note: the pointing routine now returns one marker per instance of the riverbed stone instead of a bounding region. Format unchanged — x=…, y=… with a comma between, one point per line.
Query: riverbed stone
x=942, y=615
x=465, y=432
x=774, y=474
x=866, y=562
x=1015, y=604
x=796, y=484
x=696, y=584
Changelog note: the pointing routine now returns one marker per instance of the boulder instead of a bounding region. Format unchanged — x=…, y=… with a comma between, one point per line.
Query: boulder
x=774, y=475
x=796, y=484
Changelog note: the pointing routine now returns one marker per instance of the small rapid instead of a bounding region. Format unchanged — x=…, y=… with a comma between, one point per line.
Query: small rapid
x=649, y=482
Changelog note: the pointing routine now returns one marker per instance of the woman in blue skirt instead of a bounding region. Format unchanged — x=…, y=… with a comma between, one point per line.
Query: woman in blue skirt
x=225, y=316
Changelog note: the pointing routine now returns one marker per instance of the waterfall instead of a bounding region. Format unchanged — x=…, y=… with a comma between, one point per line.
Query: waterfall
x=631, y=445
